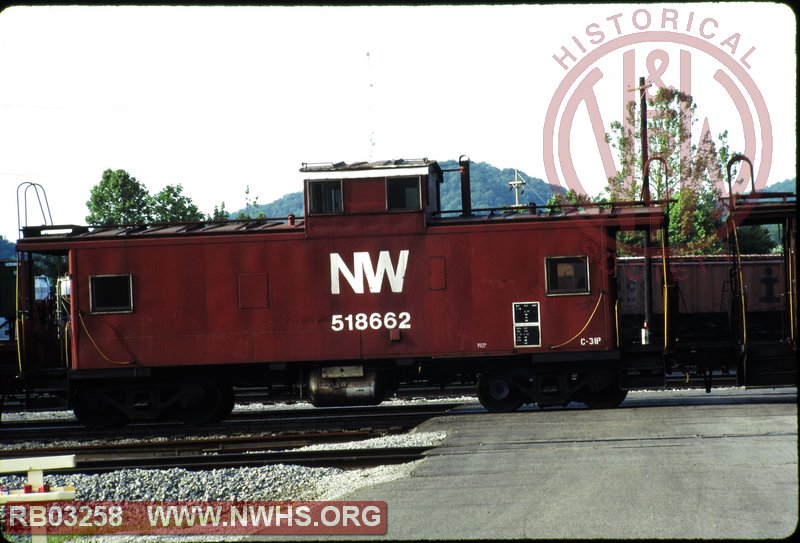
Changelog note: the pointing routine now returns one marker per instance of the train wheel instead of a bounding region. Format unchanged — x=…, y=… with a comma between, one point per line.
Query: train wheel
x=497, y=394
x=605, y=399
x=200, y=402
x=93, y=409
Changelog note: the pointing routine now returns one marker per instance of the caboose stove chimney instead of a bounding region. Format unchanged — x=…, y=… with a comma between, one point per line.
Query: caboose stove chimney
x=466, y=197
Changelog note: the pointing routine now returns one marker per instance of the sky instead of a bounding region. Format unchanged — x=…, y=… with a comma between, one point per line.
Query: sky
x=218, y=99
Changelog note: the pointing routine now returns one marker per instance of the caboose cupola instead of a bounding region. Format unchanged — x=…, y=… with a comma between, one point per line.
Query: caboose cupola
x=386, y=197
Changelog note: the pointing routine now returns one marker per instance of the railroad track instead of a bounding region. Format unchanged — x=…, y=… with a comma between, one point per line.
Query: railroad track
x=279, y=439
x=224, y=451
x=340, y=458
x=191, y=446
x=385, y=418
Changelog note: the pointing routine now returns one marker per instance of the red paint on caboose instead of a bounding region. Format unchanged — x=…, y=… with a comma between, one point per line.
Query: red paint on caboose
x=376, y=284
x=366, y=277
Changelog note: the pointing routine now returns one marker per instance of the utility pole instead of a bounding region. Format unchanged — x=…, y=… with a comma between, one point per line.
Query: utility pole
x=518, y=186
x=647, y=261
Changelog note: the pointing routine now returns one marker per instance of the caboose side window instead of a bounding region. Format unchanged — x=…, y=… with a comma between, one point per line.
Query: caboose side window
x=111, y=293
x=403, y=194
x=567, y=275
x=325, y=197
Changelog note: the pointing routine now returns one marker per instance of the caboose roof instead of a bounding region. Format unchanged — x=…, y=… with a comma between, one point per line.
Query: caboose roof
x=362, y=170
x=36, y=236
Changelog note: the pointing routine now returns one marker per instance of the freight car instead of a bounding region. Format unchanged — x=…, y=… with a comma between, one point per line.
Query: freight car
x=377, y=286
x=705, y=290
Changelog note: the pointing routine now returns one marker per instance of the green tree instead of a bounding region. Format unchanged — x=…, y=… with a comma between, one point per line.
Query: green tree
x=219, y=213
x=756, y=240
x=170, y=205
x=7, y=249
x=569, y=198
x=251, y=209
x=119, y=199
x=695, y=173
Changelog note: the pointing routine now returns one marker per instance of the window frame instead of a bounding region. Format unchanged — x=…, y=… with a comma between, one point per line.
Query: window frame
x=584, y=291
x=311, y=183
x=109, y=309
x=415, y=178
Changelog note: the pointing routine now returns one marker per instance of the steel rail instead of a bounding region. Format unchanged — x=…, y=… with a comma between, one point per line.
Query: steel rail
x=340, y=458
x=342, y=418
x=206, y=445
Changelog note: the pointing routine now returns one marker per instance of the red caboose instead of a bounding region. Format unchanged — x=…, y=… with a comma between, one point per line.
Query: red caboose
x=375, y=286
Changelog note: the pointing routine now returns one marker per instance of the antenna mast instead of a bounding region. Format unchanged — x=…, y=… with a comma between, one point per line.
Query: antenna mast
x=369, y=108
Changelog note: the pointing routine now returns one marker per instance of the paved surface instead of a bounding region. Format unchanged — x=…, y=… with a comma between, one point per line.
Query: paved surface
x=678, y=464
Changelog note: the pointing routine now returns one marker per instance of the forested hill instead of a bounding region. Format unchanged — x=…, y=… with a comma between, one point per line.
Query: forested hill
x=489, y=188
x=787, y=185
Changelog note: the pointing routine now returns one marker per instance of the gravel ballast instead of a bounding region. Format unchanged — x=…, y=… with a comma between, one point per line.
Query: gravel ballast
x=271, y=482
x=277, y=482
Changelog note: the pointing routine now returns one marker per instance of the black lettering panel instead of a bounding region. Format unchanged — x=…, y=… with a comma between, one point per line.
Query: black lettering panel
x=527, y=331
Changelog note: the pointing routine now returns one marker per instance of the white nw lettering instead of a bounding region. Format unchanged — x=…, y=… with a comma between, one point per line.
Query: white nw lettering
x=362, y=267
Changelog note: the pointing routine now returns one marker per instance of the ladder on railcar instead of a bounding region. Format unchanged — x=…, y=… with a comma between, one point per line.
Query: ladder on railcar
x=768, y=355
